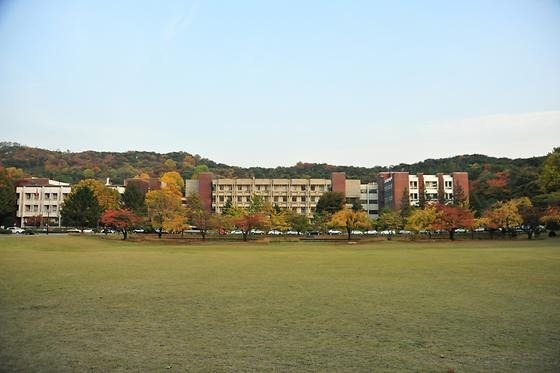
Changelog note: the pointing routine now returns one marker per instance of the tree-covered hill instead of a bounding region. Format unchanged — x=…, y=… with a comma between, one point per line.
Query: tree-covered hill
x=492, y=179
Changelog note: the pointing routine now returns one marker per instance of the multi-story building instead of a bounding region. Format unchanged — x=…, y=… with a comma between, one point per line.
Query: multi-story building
x=39, y=201
x=394, y=186
x=369, y=199
x=298, y=195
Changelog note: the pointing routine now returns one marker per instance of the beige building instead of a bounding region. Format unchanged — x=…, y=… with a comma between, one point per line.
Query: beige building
x=299, y=195
x=39, y=201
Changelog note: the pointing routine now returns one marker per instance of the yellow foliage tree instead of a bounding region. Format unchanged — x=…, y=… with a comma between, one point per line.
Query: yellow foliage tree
x=165, y=210
x=107, y=198
x=172, y=181
x=350, y=220
x=421, y=220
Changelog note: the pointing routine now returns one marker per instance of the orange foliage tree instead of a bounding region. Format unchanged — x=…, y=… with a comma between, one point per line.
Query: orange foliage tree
x=121, y=219
x=450, y=218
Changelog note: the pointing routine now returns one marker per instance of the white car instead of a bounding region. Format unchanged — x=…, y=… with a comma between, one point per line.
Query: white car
x=357, y=232
x=293, y=232
x=236, y=232
x=16, y=230
x=371, y=232
x=256, y=231
x=334, y=231
x=274, y=232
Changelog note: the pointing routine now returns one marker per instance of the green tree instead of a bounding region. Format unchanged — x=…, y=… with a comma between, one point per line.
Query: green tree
x=81, y=209
x=330, y=202
x=198, y=215
x=389, y=220
x=8, y=199
x=108, y=198
x=298, y=222
x=133, y=199
x=198, y=169
x=549, y=177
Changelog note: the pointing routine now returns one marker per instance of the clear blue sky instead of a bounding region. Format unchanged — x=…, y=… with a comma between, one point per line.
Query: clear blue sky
x=272, y=83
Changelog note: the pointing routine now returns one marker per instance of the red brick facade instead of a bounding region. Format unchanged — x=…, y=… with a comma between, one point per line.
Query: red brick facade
x=205, y=189
x=338, y=182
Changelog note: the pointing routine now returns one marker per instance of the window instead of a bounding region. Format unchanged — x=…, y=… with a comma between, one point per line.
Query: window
x=284, y=199
x=221, y=198
x=54, y=207
x=294, y=199
x=373, y=202
x=27, y=195
x=373, y=191
x=239, y=187
x=312, y=188
x=55, y=196
x=239, y=199
x=35, y=208
x=221, y=187
x=303, y=199
x=373, y=212
x=303, y=188
x=275, y=198
x=413, y=184
x=448, y=184
x=47, y=196
x=27, y=208
x=363, y=201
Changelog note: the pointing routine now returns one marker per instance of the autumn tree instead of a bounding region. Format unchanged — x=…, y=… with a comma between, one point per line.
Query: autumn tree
x=450, y=218
x=252, y=218
x=106, y=197
x=504, y=216
x=421, y=220
x=173, y=179
x=350, y=220
x=81, y=209
x=165, y=210
x=551, y=220
x=198, y=169
x=121, y=219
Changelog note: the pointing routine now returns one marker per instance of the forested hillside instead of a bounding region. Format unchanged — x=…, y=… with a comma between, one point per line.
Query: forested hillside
x=492, y=179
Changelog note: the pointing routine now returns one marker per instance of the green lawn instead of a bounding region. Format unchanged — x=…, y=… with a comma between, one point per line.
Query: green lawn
x=87, y=303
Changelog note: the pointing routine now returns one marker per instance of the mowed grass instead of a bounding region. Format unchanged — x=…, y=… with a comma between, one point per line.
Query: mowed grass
x=87, y=303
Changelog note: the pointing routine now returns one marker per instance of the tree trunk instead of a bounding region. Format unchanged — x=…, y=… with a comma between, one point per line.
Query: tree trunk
x=452, y=234
x=203, y=233
x=530, y=234
x=349, y=233
x=159, y=233
x=125, y=234
x=245, y=234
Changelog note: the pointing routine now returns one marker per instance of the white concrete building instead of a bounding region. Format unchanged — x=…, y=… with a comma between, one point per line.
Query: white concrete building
x=39, y=201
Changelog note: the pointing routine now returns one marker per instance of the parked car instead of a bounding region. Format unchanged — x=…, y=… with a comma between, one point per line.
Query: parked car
x=274, y=232
x=357, y=232
x=295, y=233
x=236, y=232
x=257, y=231
x=460, y=230
x=313, y=233
x=16, y=230
x=334, y=231
x=138, y=230
x=73, y=230
x=373, y=232
x=88, y=230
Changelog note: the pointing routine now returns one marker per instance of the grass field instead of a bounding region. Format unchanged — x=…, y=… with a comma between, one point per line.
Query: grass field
x=87, y=303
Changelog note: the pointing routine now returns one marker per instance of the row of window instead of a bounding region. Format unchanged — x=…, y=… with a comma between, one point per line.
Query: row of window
x=266, y=188
x=35, y=208
x=431, y=196
x=370, y=191
x=46, y=196
x=430, y=184
x=241, y=199
x=368, y=202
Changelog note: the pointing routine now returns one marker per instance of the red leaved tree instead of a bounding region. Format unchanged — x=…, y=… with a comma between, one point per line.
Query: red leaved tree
x=247, y=221
x=121, y=219
x=450, y=218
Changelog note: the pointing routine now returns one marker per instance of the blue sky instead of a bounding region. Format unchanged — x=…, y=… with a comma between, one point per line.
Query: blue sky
x=258, y=83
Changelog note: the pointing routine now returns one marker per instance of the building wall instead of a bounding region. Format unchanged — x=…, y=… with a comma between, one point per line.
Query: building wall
x=40, y=202
x=433, y=188
x=369, y=199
